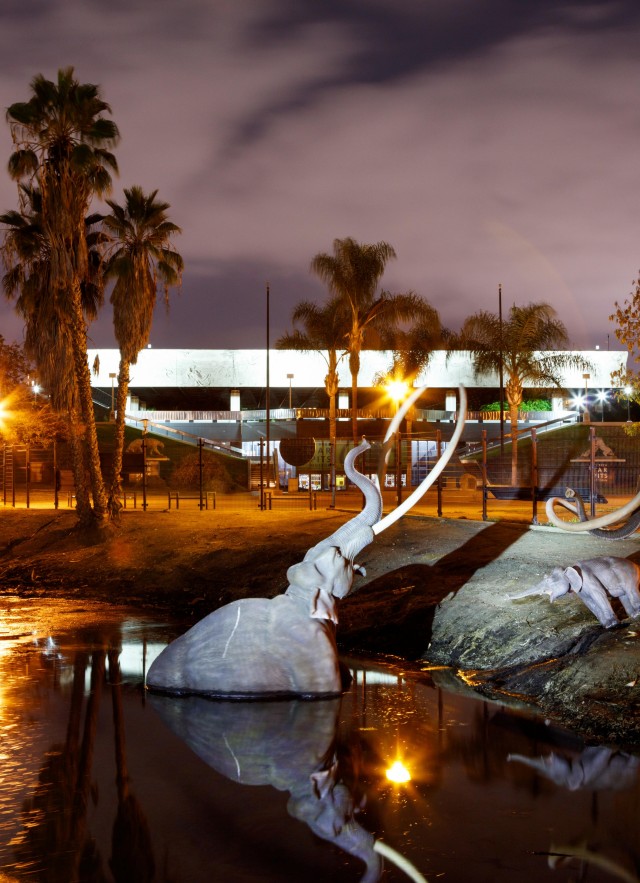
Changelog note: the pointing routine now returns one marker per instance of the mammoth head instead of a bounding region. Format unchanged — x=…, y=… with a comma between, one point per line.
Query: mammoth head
x=329, y=570
x=558, y=583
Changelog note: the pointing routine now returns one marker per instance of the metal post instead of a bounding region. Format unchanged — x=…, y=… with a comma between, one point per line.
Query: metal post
x=398, y=467
x=200, y=471
x=484, y=474
x=592, y=470
x=534, y=475
x=56, y=476
x=267, y=402
x=290, y=378
x=27, y=465
x=501, y=370
x=439, y=484
x=261, y=474
x=145, y=424
x=113, y=408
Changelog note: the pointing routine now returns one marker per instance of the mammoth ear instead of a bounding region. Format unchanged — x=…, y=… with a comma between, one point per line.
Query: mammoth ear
x=323, y=606
x=575, y=578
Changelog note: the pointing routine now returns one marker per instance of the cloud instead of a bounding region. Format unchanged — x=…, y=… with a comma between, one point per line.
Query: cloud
x=492, y=142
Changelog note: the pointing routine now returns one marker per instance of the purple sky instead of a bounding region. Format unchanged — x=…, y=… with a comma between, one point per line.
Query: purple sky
x=496, y=141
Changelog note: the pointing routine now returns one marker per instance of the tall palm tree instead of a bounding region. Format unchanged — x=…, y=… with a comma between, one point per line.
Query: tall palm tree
x=521, y=343
x=27, y=259
x=140, y=257
x=62, y=139
x=412, y=349
x=352, y=274
x=323, y=331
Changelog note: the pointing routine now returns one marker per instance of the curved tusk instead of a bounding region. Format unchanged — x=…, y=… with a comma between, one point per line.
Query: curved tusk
x=402, y=410
x=584, y=526
x=400, y=861
x=426, y=483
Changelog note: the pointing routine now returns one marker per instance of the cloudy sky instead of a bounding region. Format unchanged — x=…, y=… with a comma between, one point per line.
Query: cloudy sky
x=489, y=141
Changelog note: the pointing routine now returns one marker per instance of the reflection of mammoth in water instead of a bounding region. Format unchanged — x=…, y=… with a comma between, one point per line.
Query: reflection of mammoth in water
x=597, y=768
x=289, y=745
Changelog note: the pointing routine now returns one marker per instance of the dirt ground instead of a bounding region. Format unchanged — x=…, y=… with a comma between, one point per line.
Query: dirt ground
x=435, y=591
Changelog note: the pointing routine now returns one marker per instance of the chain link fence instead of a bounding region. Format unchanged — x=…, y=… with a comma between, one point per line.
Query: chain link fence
x=483, y=480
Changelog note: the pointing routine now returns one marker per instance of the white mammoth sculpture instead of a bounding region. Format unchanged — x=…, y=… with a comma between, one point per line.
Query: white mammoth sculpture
x=591, y=580
x=602, y=527
x=285, y=646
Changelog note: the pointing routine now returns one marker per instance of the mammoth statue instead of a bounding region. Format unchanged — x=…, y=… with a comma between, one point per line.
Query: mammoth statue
x=591, y=580
x=602, y=527
x=285, y=646
x=597, y=768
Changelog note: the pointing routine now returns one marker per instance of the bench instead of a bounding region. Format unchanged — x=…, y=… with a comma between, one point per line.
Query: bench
x=516, y=492
x=207, y=497
x=310, y=500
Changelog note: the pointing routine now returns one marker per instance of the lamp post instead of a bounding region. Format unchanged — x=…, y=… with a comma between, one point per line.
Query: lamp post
x=397, y=390
x=586, y=417
x=113, y=409
x=289, y=378
x=145, y=424
x=602, y=398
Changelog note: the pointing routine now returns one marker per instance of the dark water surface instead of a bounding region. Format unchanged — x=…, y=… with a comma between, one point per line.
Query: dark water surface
x=100, y=781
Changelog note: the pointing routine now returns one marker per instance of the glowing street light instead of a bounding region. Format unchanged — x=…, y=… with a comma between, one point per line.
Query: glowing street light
x=397, y=390
x=398, y=773
x=603, y=396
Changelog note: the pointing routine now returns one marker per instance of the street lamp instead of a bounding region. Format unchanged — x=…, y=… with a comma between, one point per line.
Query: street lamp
x=397, y=391
x=289, y=378
x=602, y=398
x=145, y=425
x=586, y=417
x=113, y=410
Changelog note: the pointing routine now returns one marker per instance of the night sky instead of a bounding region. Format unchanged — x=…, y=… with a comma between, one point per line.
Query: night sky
x=488, y=141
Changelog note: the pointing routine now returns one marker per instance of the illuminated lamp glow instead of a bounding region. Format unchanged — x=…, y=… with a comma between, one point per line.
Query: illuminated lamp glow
x=396, y=390
x=398, y=773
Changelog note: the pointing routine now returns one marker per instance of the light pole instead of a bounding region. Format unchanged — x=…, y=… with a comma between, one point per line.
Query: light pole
x=397, y=391
x=602, y=398
x=145, y=424
x=586, y=417
x=289, y=378
x=113, y=409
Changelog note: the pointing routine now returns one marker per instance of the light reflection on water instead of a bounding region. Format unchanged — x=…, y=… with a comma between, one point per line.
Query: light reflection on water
x=100, y=781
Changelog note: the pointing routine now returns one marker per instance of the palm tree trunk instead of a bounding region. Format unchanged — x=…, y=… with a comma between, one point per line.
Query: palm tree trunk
x=513, y=392
x=354, y=367
x=513, y=417
x=331, y=386
x=115, y=488
x=76, y=442
x=83, y=381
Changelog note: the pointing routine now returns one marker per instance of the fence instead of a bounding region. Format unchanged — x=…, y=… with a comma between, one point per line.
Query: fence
x=482, y=480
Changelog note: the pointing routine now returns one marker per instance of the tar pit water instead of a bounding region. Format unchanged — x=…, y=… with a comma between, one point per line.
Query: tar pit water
x=398, y=780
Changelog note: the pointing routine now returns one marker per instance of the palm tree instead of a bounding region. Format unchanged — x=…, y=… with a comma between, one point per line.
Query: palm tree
x=352, y=273
x=27, y=258
x=323, y=332
x=412, y=350
x=140, y=257
x=521, y=343
x=62, y=138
